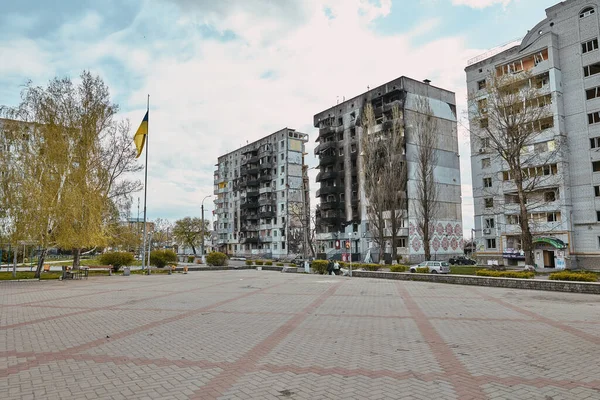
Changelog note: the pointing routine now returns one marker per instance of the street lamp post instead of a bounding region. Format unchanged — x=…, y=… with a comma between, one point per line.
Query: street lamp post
x=202, y=226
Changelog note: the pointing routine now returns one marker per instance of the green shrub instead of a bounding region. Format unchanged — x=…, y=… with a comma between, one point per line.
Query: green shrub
x=216, y=258
x=423, y=270
x=398, y=268
x=259, y=262
x=191, y=259
x=268, y=262
x=320, y=266
x=573, y=276
x=117, y=259
x=249, y=262
x=343, y=264
x=291, y=265
x=370, y=267
x=160, y=258
x=505, y=274
x=281, y=264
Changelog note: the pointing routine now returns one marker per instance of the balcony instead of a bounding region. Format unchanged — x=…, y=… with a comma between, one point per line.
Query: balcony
x=323, y=176
x=327, y=190
x=265, y=178
x=266, y=239
x=266, y=214
x=249, y=228
x=265, y=165
x=325, y=146
x=252, y=170
x=249, y=205
x=252, y=193
x=331, y=204
x=327, y=160
x=251, y=240
x=265, y=202
x=253, y=182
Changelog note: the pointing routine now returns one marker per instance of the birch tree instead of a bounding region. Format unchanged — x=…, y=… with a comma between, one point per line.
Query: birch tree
x=510, y=120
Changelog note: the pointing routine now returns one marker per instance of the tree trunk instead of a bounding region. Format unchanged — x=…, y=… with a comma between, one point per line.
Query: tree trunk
x=14, y=274
x=526, y=236
x=193, y=249
x=40, y=264
x=76, y=258
x=426, y=240
x=394, y=220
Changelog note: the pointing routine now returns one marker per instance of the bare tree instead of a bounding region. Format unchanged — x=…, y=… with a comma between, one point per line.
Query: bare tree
x=509, y=118
x=384, y=169
x=302, y=222
x=424, y=136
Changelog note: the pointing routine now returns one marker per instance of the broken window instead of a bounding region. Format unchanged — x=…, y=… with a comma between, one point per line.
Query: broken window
x=592, y=69
x=489, y=202
x=489, y=223
x=513, y=219
x=586, y=12
x=550, y=196
x=597, y=191
x=596, y=166
x=486, y=163
x=483, y=123
x=590, y=45
x=487, y=182
x=481, y=84
x=592, y=93
x=594, y=118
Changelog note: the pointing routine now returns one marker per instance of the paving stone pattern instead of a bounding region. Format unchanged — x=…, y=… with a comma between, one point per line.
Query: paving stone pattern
x=266, y=335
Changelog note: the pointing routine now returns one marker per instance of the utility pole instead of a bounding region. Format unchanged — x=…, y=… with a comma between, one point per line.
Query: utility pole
x=202, y=226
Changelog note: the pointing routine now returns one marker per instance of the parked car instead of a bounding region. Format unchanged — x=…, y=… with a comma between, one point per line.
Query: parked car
x=435, y=267
x=462, y=260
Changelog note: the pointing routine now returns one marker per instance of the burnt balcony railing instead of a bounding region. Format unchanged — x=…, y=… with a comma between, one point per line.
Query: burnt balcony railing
x=264, y=202
x=248, y=205
x=253, y=182
x=330, y=204
x=249, y=228
x=250, y=240
x=327, y=159
x=265, y=165
x=252, y=170
x=252, y=192
x=266, y=214
x=323, y=176
x=325, y=146
x=328, y=190
x=265, y=178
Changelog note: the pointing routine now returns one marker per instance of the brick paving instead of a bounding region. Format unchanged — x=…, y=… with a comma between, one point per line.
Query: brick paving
x=266, y=335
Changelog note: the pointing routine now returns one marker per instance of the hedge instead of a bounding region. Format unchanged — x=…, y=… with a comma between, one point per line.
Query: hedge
x=505, y=274
x=398, y=268
x=280, y=264
x=422, y=270
x=573, y=276
x=216, y=259
x=117, y=259
x=190, y=259
x=160, y=258
x=369, y=267
x=259, y=262
x=320, y=266
x=248, y=262
x=268, y=262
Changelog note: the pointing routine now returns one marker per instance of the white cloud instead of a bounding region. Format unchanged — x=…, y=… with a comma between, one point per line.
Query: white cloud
x=213, y=100
x=480, y=4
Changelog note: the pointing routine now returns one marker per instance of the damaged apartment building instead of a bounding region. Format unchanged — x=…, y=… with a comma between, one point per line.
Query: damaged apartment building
x=560, y=56
x=341, y=215
x=262, y=199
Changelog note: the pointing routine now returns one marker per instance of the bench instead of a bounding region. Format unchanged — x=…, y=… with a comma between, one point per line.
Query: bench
x=86, y=269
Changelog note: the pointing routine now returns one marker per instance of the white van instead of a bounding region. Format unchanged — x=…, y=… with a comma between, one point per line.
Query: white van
x=435, y=267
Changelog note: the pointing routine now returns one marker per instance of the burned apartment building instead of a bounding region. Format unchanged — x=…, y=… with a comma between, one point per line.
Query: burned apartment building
x=341, y=215
x=560, y=57
x=262, y=199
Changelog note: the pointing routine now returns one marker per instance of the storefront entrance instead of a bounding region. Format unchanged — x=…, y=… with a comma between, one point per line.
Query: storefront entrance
x=549, y=259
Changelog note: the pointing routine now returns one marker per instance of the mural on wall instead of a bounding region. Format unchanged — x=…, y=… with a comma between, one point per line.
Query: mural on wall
x=446, y=237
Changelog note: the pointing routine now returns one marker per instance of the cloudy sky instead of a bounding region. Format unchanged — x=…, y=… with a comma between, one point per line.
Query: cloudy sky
x=223, y=72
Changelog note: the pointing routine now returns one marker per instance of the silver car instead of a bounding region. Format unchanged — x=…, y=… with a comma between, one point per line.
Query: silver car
x=435, y=267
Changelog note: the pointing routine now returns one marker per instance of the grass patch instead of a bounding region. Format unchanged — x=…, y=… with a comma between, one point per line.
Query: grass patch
x=464, y=269
x=7, y=276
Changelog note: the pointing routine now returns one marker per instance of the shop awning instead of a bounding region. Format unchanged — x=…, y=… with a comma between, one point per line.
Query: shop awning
x=559, y=244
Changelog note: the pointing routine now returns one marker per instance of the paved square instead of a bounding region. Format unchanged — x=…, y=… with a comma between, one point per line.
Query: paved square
x=266, y=335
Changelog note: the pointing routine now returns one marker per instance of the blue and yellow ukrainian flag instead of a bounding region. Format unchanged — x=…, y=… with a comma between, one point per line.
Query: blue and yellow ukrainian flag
x=140, y=136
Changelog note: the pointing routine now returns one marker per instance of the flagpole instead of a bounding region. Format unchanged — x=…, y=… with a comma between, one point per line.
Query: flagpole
x=146, y=186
